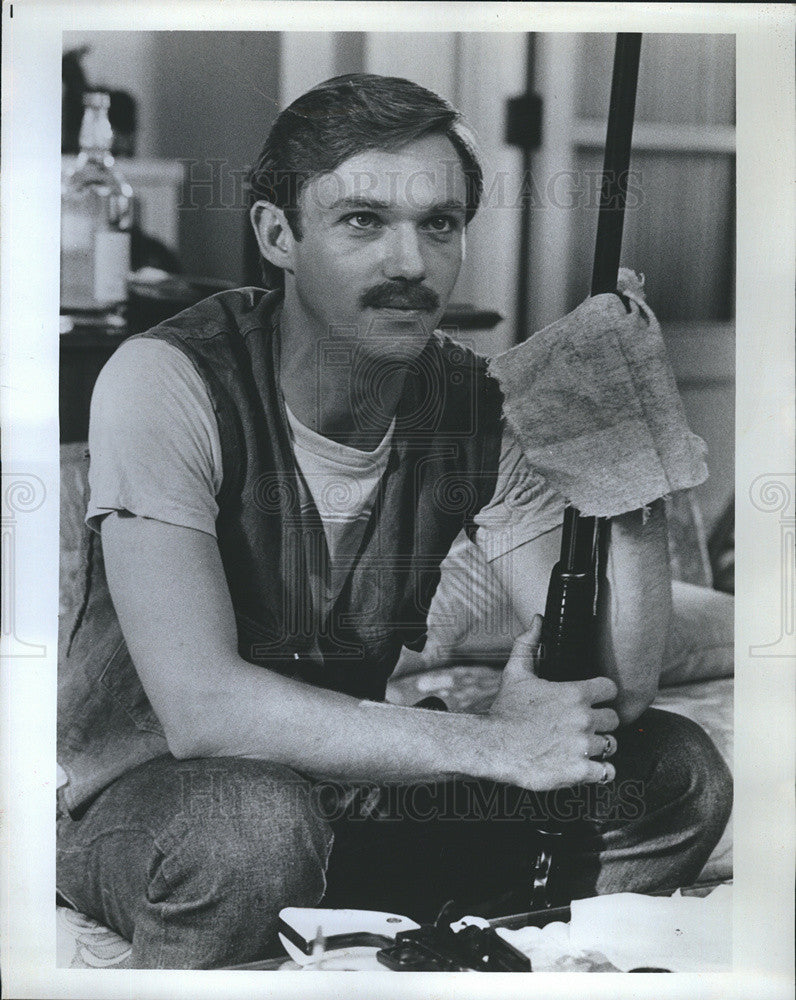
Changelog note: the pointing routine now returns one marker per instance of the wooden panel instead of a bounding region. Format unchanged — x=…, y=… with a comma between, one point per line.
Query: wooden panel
x=308, y=58
x=349, y=52
x=710, y=411
x=219, y=97
x=660, y=136
x=491, y=69
x=425, y=57
x=552, y=222
x=679, y=230
x=701, y=353
x=670, y=67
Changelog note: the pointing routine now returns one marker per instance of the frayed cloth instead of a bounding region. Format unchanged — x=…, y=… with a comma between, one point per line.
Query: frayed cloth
x=593, y=402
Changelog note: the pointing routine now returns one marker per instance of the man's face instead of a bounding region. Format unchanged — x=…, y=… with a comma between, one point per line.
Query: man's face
x=382, y=241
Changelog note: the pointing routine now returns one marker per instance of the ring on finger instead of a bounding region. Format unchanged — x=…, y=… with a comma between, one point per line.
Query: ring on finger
x=605, y=776
x=609, y=747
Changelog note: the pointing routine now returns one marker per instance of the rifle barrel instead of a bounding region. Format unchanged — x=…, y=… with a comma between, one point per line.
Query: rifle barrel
x=567, y=637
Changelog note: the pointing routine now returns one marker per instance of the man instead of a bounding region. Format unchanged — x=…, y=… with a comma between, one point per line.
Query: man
x=275, y=480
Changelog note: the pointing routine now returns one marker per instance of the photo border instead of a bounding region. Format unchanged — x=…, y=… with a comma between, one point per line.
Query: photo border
x=29, y=261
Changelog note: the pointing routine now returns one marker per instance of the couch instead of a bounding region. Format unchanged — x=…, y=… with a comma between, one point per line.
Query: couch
x=468, y=640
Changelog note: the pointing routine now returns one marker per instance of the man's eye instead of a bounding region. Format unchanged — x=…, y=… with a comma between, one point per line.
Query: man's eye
x=363, y=220
x=441, y=224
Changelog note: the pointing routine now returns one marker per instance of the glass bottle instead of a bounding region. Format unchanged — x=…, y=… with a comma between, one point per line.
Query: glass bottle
x=96, y=217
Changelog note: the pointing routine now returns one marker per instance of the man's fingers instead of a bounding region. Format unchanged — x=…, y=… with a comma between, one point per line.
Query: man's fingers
x=526, y=646
x=604, y=720
x=536, y=628
x=599, y=772
x=602, y=745
x=533, y=635
x=600, y=689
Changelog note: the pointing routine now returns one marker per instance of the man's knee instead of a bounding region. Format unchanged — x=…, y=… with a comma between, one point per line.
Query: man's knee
x=711, y=780
x=688, y=769
x=249, y=833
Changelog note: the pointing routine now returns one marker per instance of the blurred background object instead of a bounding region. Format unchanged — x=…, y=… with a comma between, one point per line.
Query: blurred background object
x=155, y=183
x=96, y=217
x=122, y=112
x=73, y=86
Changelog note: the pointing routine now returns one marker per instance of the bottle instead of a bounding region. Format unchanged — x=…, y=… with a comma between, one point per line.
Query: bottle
x=96, y=218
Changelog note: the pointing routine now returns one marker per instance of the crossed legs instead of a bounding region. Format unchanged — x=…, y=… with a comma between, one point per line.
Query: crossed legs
x=192, y=860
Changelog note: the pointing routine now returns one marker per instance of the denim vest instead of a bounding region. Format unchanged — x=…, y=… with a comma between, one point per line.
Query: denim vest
x=442, y=469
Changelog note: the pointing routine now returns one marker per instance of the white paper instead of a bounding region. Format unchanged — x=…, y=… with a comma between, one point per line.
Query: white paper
x=679, y=933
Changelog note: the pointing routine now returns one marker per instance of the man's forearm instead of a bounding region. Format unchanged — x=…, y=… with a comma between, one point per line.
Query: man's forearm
x=171, y=596
x=174, y=607
x=537, y=735
x=259, y=713
x=634, y=606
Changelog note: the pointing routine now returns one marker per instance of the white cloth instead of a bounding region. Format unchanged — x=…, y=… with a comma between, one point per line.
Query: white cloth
x=592, y=398
x=630, y=930
x=153, y=439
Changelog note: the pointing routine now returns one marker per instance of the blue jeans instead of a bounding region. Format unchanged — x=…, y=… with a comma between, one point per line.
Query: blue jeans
x=192, y=860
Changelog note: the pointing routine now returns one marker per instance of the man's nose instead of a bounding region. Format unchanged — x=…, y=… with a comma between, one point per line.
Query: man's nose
x=403, y=257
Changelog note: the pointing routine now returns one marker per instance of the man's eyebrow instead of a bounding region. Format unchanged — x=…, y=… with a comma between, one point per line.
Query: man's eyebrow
x=376, y=204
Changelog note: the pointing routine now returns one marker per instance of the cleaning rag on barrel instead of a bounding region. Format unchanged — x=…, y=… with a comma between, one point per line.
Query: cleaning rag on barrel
x=593, y=402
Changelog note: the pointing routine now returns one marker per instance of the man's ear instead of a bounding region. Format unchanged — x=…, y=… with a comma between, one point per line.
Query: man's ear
x=274, y=236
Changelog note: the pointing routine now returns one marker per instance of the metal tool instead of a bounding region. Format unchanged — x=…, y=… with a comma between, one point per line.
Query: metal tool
x=327, y=938
x=568, y=632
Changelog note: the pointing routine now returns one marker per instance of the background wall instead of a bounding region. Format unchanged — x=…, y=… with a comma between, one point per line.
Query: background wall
x=208, y=99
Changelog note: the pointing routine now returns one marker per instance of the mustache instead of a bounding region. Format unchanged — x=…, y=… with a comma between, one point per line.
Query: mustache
x=399, y=295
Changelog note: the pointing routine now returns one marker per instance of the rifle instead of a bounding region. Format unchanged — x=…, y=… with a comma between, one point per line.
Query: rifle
x=568, y=632
x=569, y=627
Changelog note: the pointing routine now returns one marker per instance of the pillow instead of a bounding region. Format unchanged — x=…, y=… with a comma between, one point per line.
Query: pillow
x=471, y=617
x=471, y=620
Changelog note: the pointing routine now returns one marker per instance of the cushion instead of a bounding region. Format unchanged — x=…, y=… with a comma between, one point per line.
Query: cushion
x=82, y=943
x=74, y=500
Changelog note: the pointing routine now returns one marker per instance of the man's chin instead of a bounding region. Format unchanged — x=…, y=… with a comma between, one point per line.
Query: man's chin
x=402, y=322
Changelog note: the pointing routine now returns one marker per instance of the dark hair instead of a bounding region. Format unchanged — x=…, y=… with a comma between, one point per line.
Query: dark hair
x=343, y=117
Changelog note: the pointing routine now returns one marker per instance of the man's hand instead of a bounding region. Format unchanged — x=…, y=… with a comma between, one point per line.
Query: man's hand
x=545, y=733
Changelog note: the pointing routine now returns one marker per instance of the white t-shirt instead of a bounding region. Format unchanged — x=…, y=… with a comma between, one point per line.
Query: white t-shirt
x=156, y=452
x=341, y=482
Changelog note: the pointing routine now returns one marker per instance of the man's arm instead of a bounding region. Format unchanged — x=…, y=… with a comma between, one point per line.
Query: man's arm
x=171, y=596
x=634, y=605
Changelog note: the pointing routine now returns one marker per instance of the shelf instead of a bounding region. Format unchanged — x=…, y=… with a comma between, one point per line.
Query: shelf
x=660, y=137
